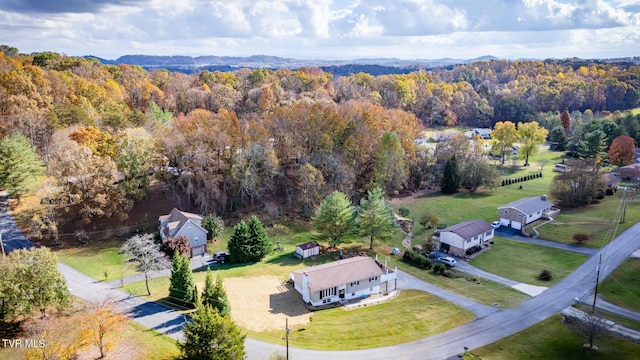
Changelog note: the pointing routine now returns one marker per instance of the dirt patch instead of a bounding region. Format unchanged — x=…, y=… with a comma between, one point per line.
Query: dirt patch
x=263, y=303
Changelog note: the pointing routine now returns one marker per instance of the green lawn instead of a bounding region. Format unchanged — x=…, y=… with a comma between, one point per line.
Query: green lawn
x=550, y=339
x=599, y=221
x=410, y=316
x=93, y=259
x=482, y=291
x=622, y=287
x=150, y=343
x=523, y=262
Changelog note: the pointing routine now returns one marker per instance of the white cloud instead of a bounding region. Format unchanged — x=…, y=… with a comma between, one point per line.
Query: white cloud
x=329, y=28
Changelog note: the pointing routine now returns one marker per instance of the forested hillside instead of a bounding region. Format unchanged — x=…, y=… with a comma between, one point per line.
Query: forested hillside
x=280, y=140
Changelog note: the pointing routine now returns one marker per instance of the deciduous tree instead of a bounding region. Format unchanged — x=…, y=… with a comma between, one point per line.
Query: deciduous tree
x=102, y=323
x=213, y=224
x=31, y=281
x=622, y=151
x=478, y=173
x=210, y=335
x=565, y=119
x=390, y=171
x=146, y=253
x=503, y=136
x=336, y=219
x=531, y=135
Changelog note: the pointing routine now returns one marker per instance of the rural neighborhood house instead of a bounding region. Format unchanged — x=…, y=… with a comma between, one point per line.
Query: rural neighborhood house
x=342, y=280
x=521, y=212
x=457, y=239
x=180, y=223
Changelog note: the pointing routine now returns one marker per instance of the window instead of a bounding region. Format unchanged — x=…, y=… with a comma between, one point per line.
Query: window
x=488, y=233
x=355, y=283
x=539, y=212
x=519, y=215
x=327, y=293
x=195, y=239
x=506, y=212
x=373, y=278
x=468, y=241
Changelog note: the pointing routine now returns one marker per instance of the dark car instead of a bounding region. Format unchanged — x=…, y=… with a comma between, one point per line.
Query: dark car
x=221, y=256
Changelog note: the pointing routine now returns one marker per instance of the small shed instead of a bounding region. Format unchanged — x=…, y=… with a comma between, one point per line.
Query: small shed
x=307, y=249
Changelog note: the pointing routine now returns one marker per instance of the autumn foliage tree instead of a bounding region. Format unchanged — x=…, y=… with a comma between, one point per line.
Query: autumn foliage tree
x=102, y=323
x=622, y=151
x=565, y=119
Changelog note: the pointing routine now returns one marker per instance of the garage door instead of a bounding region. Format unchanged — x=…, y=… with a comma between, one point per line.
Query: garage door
x=197, y=251
x=504, y=222
x=516, y=225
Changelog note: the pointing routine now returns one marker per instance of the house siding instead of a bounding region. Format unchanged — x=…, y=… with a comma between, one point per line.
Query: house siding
x=458, y=246
x=196, y=235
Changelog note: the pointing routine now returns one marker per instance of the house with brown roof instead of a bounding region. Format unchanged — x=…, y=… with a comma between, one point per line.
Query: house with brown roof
x=181, y=223
x=342, y=280
x=521, y=212
x=457, y=239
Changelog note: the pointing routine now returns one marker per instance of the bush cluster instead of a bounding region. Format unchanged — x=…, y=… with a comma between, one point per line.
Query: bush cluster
x=439, y=268
x=545, y=275
x=417, y=259
x=474, y=249
x=531, y=176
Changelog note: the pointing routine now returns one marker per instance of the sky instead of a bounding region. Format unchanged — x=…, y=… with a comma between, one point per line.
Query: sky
x=325, y=29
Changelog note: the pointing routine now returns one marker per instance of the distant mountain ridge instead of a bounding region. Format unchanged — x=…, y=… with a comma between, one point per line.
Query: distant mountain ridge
x=212, y=62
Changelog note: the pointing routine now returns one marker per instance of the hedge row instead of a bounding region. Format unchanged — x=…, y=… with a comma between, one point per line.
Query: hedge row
x=417, y=259
x=531, y=176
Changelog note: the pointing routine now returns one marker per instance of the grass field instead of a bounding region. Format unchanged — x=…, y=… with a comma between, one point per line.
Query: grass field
x=482, y=291
x=523, y=262
x=550, y=339
x=410, y=316
x=622, y=287
x=96, y=258
x=600, y=221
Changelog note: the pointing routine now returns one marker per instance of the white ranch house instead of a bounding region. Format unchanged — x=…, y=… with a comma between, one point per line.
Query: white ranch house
x=343, y=280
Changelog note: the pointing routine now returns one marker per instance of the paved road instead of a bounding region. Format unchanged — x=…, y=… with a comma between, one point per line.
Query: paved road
x=149, y=314
x=12, y=237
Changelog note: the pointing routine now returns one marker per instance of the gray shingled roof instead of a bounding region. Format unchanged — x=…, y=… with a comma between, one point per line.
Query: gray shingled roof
x=341, y=272
x=308, y=245
x=530, y=205
x=468, y=229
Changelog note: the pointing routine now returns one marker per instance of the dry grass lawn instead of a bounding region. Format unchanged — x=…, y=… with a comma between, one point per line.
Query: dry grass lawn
x=263, y=303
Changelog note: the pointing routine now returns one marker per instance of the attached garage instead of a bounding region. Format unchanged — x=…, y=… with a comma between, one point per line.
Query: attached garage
x=198, y=250
x=516, y=225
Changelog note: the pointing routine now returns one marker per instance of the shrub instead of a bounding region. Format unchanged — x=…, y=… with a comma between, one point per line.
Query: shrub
x=580, y=238
x=545, y=275
x=417, y=248
x=403, y=211
x=439, y=268
x=417, y=259
x=452, y=274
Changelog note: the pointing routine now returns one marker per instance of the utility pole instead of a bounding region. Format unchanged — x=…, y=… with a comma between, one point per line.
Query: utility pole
x=595, y=295
x=287, y=335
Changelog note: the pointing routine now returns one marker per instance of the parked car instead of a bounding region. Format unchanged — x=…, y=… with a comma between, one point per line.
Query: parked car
x=495, y=224
x=447, y=260
x=221, y=256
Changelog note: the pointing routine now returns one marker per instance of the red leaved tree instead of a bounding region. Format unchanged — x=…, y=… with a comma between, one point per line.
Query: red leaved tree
x=622, y=151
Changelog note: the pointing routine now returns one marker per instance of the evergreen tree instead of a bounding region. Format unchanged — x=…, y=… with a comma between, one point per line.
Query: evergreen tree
x=182, y=285
x=214, y=295
x=451, y=176
x=239, y=246
x=213, y=224
x=260, y=245
x=20, y=165
x=376, y=217
x=336, y=219
x=211, y=336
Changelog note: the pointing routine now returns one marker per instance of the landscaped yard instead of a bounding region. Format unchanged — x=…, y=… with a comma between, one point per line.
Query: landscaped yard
x=384, y=324
x=550, y=339
x=523, y=262
x=482, y=291
x=622, y=287
x=96, y=258
x=600, y=221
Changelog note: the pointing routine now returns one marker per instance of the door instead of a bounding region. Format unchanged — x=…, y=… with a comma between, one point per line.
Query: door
x=341, y=293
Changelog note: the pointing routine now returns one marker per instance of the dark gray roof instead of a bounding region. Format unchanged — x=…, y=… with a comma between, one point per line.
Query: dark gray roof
x=468, y=229
x=308, y=245
x=530, y=205
x=341, y=272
